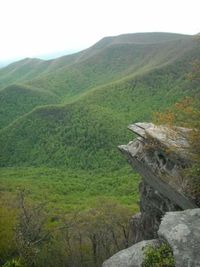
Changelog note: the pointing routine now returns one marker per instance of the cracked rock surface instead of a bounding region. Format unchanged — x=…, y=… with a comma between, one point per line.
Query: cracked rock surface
x=181, y=230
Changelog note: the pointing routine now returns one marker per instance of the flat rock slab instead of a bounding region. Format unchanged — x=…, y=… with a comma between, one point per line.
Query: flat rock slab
x=130, y=257
x=181, y=229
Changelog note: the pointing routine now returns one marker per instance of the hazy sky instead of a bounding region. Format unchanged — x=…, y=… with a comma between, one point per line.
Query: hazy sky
x=34, y=27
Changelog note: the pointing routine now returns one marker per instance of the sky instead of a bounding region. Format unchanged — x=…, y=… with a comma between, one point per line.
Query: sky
x=35, y=28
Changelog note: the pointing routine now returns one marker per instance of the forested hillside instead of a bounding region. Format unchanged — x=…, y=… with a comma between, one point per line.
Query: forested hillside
x=109, y=61
x=145, y=77
x=61, y=121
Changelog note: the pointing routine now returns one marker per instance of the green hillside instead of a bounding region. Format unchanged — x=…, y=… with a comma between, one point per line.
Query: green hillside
x=111, y=60
x=61, y=121
x=124, y=79
x=21, y=70
x=17, y=100
x=85, y=133
x=74, y=136
x=110, y=63
x=29, y=68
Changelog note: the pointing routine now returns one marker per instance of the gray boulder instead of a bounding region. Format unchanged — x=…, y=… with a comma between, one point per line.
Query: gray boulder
x=130, y=257
x=181, y=230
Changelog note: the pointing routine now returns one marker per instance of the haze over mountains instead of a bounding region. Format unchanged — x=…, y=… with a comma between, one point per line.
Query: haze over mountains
x=46, y=56
x=72, y=111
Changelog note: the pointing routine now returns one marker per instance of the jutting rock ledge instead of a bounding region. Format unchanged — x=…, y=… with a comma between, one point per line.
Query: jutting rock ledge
x=168, y=211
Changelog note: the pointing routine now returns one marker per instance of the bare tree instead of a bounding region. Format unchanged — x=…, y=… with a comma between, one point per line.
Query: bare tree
x=30, y=231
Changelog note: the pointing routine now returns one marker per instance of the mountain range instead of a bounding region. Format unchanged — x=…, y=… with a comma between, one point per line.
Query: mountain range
x=72, y=111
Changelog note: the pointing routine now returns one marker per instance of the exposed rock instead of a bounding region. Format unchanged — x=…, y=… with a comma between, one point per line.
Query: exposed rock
x=153, y=206
x=137, y=228
x=130, y=257
x=160, y=155
x=175, y=139
x=181, y=230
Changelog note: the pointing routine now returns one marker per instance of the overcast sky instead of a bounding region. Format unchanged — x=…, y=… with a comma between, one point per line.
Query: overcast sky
x=31, y=28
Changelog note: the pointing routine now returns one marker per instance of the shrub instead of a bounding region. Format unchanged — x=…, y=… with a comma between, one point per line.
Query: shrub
x=158, y=256
x=13, y=263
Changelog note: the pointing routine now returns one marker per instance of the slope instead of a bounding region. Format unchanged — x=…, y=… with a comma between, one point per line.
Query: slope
x=21, y=70
x=84, y=134
x=68, y=78
x=17, y=100
x=65, y=154
x=28, y=68
x=73, y=136
x=109, y=63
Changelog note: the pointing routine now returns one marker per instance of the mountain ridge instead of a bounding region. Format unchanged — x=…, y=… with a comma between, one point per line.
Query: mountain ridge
x=70, y=114
x=78, y=55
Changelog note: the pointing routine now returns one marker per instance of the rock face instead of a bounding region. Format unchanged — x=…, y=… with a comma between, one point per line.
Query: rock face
x=152, y=206
x=160, y=155
x=181, y=230
x=130, y=257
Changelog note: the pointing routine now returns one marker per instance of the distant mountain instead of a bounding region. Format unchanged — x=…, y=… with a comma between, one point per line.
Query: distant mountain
x=72, y=111
x=135, y=46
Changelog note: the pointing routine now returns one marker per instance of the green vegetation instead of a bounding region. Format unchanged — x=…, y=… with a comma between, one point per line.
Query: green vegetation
x=107, y=64
x=60, y=124
x=85, y=133
x=186, y=113
x=71, y=190
x=22, y=70
x=13, y=263
x=48, y=237
x=84, y=200
x=18, y=100
x=161, y=256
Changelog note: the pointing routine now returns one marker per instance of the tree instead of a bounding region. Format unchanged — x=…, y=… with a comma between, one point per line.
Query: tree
x=8, y=213
x=94, y=235
x=31, y=233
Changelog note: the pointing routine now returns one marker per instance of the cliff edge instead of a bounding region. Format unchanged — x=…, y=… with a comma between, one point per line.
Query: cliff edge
x=168, y=210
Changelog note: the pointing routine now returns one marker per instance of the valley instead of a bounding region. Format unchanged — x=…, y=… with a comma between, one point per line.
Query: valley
x=61, y=121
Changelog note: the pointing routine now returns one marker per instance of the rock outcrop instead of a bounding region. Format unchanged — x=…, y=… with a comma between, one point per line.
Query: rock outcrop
x=161, y=154
x=130, y=257
x=181, y=231
x=153, y=206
